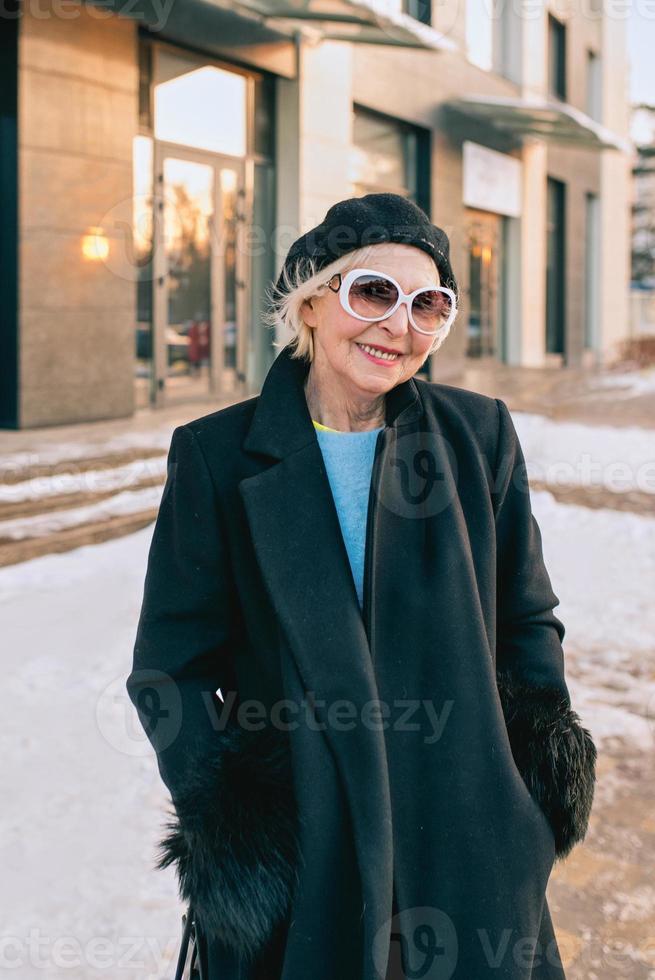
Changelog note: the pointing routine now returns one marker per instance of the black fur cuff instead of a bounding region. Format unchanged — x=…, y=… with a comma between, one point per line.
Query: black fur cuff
x=555, y=755
x=233, y=836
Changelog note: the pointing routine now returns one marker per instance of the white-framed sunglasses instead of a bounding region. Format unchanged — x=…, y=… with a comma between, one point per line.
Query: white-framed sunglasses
x=370, y=295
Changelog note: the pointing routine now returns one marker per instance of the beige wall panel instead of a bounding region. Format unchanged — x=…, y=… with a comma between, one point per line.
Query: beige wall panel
x=78, y=116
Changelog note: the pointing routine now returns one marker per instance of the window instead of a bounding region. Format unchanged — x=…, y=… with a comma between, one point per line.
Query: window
x=555, y=267
x=181, y=84
x=592, y=270
x=494, y=37
x=483, y=286
x=390, y=155
x=594, y=86
x=264, y=116
x=508, y=40
x=419, y=9
x=480, y=33
x=556, y=58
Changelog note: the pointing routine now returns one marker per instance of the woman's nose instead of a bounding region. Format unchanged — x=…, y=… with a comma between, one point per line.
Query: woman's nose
x=398, y=323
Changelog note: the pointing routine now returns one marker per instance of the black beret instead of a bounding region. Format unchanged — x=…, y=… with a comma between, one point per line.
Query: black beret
x=369, y=220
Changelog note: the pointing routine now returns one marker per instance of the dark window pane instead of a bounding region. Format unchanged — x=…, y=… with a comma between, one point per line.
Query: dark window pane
x=556, y=58
x=555, y=268
x=390, y=156
x=419, y=9
x=265, y=116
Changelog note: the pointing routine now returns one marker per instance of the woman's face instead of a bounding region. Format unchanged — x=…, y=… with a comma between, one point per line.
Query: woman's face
x=338, y=336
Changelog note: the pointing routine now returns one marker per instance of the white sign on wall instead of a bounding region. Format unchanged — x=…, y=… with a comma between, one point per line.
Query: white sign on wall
x=492, y=180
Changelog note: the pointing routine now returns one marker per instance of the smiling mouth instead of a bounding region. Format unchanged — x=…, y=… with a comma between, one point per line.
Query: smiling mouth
x=378, y=352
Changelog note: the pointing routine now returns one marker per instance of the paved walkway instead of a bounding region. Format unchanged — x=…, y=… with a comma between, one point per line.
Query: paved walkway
x=95, y=435
x=602, y=897
x=617, y=397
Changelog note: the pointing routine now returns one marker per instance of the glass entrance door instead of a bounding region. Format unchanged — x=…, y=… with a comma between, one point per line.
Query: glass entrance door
x=199, y=304
x=483, y=246
x=231, y=298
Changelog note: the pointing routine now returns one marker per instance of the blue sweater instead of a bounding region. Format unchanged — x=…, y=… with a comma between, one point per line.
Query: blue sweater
x=348, y=458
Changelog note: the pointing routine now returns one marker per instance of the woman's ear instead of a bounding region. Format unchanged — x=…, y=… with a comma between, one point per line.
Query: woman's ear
x=308, y=312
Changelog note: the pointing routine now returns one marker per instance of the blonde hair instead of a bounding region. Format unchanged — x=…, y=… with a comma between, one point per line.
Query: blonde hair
x=304, y=283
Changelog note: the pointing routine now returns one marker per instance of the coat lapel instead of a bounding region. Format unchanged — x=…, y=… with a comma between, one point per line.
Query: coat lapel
x=304, y=564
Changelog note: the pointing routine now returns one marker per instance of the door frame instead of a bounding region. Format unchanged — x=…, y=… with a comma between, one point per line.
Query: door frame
x=218, y=377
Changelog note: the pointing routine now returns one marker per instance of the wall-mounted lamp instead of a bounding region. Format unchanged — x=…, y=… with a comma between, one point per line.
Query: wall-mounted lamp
x=95, y=244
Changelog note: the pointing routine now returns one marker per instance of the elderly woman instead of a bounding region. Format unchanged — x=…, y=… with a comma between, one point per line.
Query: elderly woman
x=347, y=659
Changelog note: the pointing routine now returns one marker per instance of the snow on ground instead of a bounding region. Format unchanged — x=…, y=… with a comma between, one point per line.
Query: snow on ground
x=86, y=481
x=556, y=452
x=55, y=454
x=602, y=567
x=120, y=504
x=572, y=453
x=79, y=827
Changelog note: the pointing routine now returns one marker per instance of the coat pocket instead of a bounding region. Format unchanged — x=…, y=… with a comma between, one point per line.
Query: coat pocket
x=538, y=819
x=233, y=836
x=555, y=758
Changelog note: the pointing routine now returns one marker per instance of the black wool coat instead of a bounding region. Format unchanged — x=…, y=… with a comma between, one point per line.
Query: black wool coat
x=379, y=792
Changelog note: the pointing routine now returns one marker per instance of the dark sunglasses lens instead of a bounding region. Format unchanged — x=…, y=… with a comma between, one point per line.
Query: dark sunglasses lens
x=372, y=296
x=431, y=309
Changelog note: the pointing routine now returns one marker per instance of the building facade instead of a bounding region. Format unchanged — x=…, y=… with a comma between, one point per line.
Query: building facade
x=158, y=160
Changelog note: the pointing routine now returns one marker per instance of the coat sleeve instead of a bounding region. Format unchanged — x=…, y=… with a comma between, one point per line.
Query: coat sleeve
x=555, y=755
x=232, y=835
x=182, y=648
